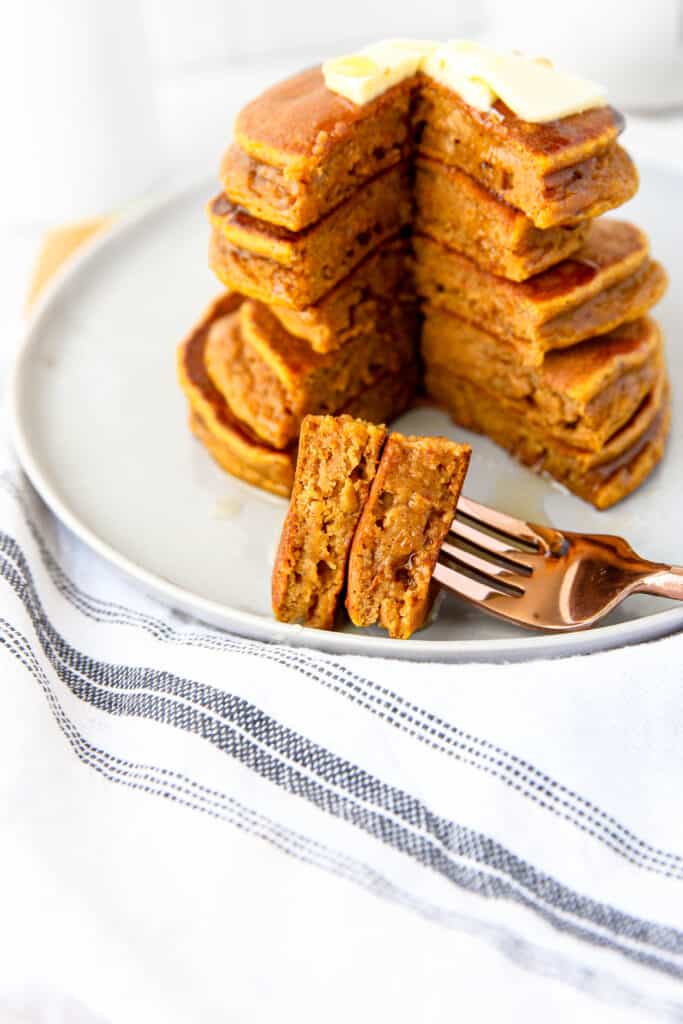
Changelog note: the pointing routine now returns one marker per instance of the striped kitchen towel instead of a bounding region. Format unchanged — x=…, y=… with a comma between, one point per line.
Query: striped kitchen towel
x=198, y=827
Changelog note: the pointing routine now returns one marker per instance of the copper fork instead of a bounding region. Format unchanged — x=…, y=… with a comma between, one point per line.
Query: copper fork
x=543, y=578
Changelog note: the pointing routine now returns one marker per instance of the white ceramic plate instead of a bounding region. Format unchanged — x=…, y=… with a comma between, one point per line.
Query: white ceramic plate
x=100, y=428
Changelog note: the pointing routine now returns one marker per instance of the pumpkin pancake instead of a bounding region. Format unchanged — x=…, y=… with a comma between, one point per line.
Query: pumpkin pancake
x=243, y=456
x=454, y=209
x=601, y=478
x=396, y=544
x=559, y=172
x=272, y=379
x=610, y=280
x=305, y=149
x=232, y=442
x=264, y=468
x=581, y=395
x=296, y=269
x=301, y=150
x=364, y=299
x=385, y=400
x=337, y=462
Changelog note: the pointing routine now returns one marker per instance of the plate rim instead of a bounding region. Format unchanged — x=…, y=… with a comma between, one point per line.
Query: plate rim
x=249, y=624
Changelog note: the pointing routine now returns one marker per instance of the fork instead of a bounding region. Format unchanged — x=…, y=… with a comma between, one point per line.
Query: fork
x=544, y=578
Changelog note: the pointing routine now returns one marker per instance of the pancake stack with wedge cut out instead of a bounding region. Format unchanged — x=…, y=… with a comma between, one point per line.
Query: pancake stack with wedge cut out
x=548, y=350
x=360, y=240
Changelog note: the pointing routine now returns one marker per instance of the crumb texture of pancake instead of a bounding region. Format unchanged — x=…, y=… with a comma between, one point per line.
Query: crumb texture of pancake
x=610, y=280
x=402, y=526
x=231, y=441
x=581, y=395
x=602, y=478
x=338, y=458
x=455, y=210
x=555, y=173
x=367, y=297
x=272, y=379
x=297, y=268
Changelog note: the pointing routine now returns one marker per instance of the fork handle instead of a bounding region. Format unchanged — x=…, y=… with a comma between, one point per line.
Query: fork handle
x=664, y=583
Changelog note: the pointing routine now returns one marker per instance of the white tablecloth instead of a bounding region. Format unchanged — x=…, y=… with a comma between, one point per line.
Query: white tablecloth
x=197, y=827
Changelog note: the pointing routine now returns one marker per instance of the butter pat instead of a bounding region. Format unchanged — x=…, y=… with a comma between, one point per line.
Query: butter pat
x=401, y=56
x=363, y=76
x=536, y=91
x=357, y=78
x=458, y=66
x=530, y=87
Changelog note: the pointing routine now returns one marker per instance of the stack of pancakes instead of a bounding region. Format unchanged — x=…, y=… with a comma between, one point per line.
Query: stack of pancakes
x=535, y=329
x=356, y=240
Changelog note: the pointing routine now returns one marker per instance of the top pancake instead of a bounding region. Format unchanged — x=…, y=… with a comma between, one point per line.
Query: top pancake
x=303, y=147
x=296, y=122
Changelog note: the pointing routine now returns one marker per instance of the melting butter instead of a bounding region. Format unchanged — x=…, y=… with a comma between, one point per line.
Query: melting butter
x=360, y=77
x=530, y=87
x=457, y=65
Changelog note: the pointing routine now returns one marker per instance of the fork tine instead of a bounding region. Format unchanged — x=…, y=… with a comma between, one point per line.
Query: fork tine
x=490, y=570
x=463, y=585
x=501, y=522
x=512, y=607
x=493, y=545
x=573, y=579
